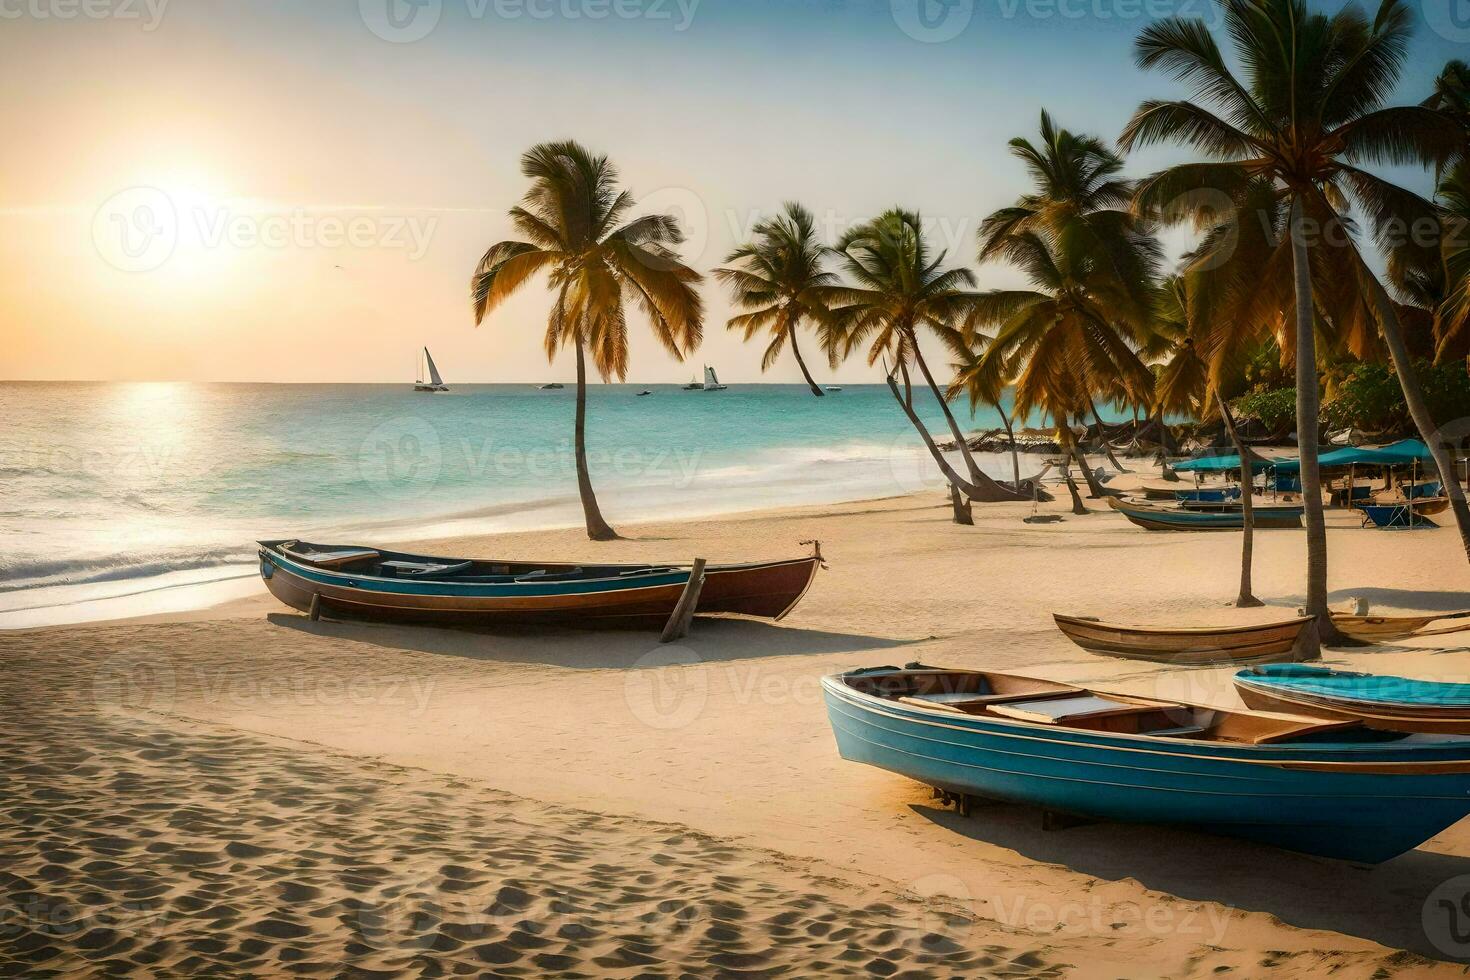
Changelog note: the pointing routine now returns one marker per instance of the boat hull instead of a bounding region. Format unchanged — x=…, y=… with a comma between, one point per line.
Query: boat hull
x=768, y=590
x=1380, y=717
x=1271, y=794
x=1168, y=519
x=1269, y=642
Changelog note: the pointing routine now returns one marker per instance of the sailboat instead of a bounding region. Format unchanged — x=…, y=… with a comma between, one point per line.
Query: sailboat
x=435, y=383
x=693, y=385
x=711, y=381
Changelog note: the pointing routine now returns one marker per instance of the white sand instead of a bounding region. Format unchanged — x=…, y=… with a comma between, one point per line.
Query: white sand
x=366, y=760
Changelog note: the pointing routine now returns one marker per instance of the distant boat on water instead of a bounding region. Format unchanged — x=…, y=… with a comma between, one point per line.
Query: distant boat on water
x=554, y=386
x=834, y=387
x=711, y=380
x=693, y=385
x=435, y=383
x=645, y=391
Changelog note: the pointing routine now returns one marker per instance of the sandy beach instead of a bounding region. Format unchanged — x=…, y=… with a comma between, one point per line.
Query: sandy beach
x=240, y=789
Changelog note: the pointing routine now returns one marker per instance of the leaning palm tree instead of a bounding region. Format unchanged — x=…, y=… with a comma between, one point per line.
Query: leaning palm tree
x=1308, y=111
x=1186, y=382
x=900, y=287
x=1081, y=198
x=574, y=220
x=1059, y=342
x=780, y=283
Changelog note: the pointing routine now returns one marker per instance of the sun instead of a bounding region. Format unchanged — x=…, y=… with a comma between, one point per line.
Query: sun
x=170, y=230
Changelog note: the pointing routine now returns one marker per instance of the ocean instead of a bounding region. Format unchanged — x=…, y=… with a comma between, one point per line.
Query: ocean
x=127, y=489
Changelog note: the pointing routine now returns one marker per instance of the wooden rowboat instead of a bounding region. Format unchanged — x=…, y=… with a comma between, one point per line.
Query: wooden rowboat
x=1154, y=518
x=370, y=583
x=1386, y=703
x=1327, y=787
x=1422, y=506
x=1387, y=628
x=1200, y=645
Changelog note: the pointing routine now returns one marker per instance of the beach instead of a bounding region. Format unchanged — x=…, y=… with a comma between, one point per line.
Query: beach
x=240, y=789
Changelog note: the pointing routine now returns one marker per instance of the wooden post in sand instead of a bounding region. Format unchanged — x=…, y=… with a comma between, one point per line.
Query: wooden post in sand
x=678, y=625
x=316, y=606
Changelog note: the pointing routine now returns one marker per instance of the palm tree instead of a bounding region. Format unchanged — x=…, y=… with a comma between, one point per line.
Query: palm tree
x=901, y=287
x=1310, y=108
x=781, y=282
x=1081, y=197
x=1060, y=341
x=573, y=218
x=1187, y=383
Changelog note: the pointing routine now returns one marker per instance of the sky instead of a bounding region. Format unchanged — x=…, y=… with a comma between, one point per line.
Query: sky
x=217, y=190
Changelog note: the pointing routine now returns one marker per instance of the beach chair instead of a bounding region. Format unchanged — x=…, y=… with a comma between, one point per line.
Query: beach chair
x=1393, y=517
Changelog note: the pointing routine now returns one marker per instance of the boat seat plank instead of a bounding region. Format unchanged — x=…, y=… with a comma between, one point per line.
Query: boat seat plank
x=921, y=702
x=1060, y=711
x=329, y=559
x=424, y=568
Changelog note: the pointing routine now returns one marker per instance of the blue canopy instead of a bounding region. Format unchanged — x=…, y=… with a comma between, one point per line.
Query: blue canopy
x=1220, y=464
x=1400, y=453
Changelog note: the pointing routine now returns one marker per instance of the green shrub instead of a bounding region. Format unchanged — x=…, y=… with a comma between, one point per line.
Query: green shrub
x=1368, y=397
x=1274, y=408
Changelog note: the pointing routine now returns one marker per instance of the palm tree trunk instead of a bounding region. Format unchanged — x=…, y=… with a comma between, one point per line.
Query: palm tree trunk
x=1247, y=597
x=950, y=474
x=816, y=390
x=1388, y=321
x=954, y=428
x=1011, y=438
x=597, y=528
x=1306, y=430
x=1069, y=443
x=1102, y=437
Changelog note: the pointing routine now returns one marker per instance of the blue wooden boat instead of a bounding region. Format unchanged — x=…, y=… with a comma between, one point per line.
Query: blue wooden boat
x=371, y=583
x=1398, y=704
x=1156, y=518
x=1322, y=786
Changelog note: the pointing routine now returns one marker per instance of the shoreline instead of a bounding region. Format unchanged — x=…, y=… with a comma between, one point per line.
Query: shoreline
x=112, y=592
x=725, y=735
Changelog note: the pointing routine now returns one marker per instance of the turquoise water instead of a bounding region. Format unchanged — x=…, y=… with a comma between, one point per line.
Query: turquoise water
x=105, y=482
